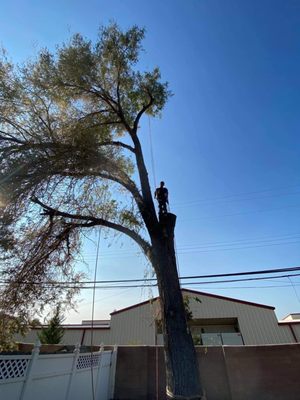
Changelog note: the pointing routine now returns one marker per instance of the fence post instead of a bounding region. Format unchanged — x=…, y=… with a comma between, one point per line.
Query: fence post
x=73, y=370
x=99, y=372
x=112, y=375
x=28, y=378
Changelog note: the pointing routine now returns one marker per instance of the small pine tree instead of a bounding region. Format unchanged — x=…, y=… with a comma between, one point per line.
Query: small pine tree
x=54, y=332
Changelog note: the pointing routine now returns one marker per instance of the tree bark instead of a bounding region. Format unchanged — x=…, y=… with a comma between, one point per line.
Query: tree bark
x=182, y=373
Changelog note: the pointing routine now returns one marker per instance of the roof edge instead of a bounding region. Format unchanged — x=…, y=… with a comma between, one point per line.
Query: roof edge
x=216, y=296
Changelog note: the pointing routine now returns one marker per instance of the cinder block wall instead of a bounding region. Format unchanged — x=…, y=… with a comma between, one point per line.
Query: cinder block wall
x=227, y=373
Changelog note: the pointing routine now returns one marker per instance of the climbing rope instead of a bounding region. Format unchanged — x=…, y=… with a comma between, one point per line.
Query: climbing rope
x=154, y=180
x=93, y=312
x=151, y=152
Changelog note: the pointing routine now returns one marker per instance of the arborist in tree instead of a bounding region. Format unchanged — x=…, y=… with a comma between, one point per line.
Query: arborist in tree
x=161, y=194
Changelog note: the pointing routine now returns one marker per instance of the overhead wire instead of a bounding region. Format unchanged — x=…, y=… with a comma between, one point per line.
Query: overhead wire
x=153, y=285
x=204, y=276
x=216, y=199
x=244, y=213
x=212, y=246
x=293, y=286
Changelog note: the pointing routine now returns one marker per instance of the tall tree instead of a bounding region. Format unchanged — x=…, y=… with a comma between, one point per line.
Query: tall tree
x=70, y=147
x=53, y=332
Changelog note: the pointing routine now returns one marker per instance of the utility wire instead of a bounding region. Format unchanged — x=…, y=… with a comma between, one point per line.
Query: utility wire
x=213, y=199
x=256, y=272
x=154, y=284
x=209, y=246
x=243, y=213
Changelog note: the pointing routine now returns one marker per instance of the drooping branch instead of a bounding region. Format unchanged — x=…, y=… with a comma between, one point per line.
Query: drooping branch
x=91, y=221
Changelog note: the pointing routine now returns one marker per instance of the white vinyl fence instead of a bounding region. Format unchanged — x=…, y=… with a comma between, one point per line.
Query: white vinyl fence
x=58, y=376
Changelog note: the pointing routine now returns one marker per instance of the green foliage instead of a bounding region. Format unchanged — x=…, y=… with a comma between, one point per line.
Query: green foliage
x=63, y=169
x=186, y=302
x=53, y=333
x=9, y=326
x=188, y=313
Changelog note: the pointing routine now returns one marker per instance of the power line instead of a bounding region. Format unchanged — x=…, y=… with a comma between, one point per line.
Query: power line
x=229, y=201
x=213, y=199
x=244, y=213
x=248, y=287
x=260, y=239
x=125, y=281
x=152, y=285
x=239, y=248
x=249, y=243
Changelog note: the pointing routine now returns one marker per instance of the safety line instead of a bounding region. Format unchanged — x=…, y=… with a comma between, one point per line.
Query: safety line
x=151, y=151
x=93, y=311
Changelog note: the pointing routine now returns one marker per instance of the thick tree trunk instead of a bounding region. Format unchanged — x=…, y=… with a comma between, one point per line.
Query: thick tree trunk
x=182, y=372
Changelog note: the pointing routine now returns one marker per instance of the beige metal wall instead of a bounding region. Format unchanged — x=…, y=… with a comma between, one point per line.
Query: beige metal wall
x=257, y=325
x=73, y=337
x=296, y=330
x=134, y=326
x=30, y=337
x=99, y=336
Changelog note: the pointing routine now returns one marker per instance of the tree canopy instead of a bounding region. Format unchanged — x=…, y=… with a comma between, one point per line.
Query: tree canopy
x=69, y=149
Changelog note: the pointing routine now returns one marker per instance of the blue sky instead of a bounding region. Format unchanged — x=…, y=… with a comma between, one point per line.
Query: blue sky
x=227, y=144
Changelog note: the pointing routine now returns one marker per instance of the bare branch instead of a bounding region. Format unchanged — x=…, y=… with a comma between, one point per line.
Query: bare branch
x=118, y=144
x=94, y=221
x=11, y=138
x=141, y=112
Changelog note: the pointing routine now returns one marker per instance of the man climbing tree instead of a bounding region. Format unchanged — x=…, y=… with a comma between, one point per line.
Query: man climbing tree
x=162, y=196
x=69, y=143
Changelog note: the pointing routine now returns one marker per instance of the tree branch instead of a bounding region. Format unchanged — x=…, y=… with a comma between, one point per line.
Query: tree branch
x=118, y=144
x=11, y=139
x=141, y=112
x=91, y=221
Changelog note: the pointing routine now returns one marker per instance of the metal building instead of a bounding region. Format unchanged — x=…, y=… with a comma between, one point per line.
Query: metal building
x=215, y=320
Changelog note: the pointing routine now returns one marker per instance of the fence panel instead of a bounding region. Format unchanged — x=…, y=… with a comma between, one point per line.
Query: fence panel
x=55, y=376
x=102, y=389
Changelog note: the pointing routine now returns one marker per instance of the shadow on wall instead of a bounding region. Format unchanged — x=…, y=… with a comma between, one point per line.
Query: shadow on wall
x=228, y=373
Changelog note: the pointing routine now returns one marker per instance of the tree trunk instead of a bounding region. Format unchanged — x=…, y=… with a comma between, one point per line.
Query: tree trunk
x=182, y=374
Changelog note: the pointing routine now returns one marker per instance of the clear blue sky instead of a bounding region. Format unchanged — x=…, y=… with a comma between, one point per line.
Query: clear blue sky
x=228, y=142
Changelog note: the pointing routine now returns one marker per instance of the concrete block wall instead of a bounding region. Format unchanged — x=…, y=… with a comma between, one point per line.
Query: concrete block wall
x=227, y=373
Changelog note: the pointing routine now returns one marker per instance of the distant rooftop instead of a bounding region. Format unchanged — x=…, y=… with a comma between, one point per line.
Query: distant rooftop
x=95, y=322
x=88, y=324
x=294, y=317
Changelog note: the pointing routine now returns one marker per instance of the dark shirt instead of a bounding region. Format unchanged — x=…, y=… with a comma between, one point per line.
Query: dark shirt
x=161, y=194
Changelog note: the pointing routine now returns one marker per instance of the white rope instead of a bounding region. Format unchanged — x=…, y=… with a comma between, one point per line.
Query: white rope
x=156, y=359
x=93, y=311
x=151, y=152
